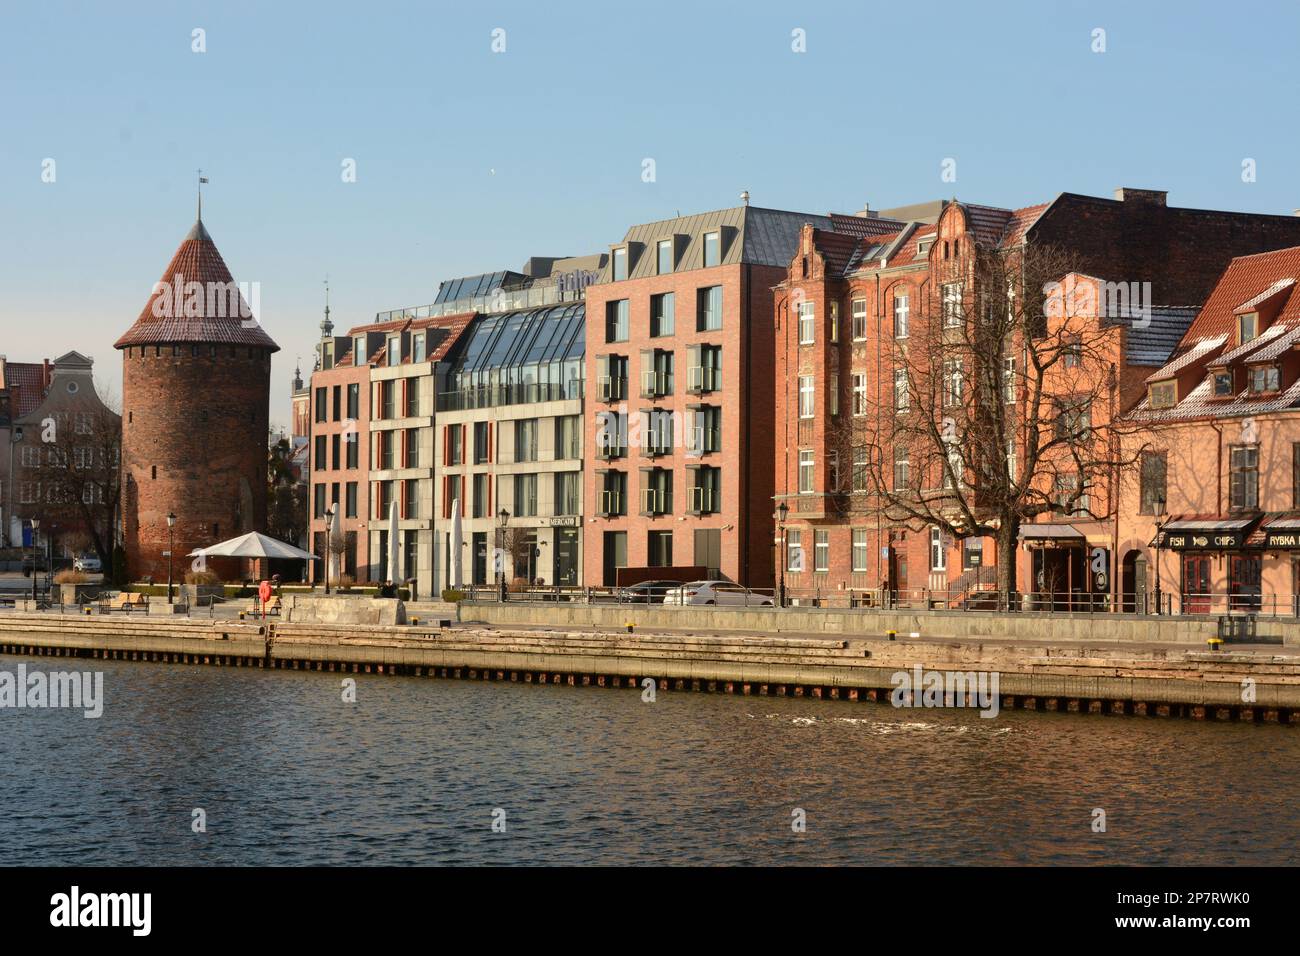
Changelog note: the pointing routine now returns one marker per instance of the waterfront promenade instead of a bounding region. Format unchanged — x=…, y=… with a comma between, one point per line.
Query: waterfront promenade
x=1051, y=671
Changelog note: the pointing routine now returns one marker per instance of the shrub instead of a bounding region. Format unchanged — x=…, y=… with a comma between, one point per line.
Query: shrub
x=451, y=595
x=70, y=576
x=208, y=578
x=346, y=581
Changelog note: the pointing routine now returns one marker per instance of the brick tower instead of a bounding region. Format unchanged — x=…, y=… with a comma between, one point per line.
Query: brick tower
x=196, y=392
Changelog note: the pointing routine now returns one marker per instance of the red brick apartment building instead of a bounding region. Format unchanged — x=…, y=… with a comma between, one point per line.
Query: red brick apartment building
x=679, y=408
x=372, y=409
x=846, y=308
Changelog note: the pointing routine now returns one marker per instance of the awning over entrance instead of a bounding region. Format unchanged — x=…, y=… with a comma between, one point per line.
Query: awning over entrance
x=1278, y=533
x=1051, y=535
x=1205, y=534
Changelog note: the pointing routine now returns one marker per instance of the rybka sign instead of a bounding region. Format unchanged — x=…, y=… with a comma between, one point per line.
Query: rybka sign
x=1281, y=540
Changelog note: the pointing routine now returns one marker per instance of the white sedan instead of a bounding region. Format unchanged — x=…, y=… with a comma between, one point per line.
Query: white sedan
x=717, y=592
x=88, y=563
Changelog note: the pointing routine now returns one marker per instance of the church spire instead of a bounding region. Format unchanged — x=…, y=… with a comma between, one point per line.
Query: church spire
x=326, y=326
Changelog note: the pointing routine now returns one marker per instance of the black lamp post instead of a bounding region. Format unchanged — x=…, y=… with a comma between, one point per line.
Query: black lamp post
x=504, y=518
x=171, y=546
x=782, y=512
x=36, y=527
x=329, y=533
x=1160, y=524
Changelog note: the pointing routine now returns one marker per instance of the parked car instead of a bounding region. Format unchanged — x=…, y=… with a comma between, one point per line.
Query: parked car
x=647, y=592
x=39, y=562
x=717, y=592
x=88, y=564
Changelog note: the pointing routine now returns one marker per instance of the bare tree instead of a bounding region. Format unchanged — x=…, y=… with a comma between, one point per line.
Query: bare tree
x=1001, y=405
x=79, y=477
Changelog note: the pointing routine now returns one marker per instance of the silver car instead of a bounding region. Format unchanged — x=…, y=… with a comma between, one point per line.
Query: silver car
x=717, y=592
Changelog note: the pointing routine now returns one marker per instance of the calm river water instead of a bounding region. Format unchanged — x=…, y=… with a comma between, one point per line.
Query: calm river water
x=412, y=772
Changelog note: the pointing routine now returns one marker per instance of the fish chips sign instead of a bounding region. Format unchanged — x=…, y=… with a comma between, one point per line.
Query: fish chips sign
x=1184, y=541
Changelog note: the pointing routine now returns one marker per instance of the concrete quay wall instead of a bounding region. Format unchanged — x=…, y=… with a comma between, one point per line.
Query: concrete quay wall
x=873, y=623
x=1066, y=677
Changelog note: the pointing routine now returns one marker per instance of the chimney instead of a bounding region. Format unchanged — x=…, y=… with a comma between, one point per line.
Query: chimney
x=1149, y=197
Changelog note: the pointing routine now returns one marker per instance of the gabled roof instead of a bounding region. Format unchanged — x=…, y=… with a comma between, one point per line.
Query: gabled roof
x=221, y=319
x=1247, y=279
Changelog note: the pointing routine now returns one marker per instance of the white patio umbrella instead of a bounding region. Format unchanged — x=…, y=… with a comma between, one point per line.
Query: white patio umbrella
x=394, y=572
x=457, y=568
x=254, y=545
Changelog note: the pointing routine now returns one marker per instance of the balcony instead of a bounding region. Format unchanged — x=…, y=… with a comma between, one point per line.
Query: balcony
x=654, y=384
x=704, y=500
x=703, y=378
x=656, y=501
x=613, y=388
x=609, y=504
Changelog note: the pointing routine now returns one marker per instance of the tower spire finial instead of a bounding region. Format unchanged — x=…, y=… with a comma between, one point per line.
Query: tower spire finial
x=202, y=179
x=327, y=327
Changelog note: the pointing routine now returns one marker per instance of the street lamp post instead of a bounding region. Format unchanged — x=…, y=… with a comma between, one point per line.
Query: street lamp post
x=504, y=518
x=329, y=533
x=782, y=512
x=1160, y=524
x=171, y=546
x=36, y=527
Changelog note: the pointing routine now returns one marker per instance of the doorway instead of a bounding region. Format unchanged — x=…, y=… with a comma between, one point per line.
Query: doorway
x=1133, y=583
x=1196, y=584
x=566, y=557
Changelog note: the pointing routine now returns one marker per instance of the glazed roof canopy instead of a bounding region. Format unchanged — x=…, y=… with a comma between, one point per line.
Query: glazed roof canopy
x=196, y=300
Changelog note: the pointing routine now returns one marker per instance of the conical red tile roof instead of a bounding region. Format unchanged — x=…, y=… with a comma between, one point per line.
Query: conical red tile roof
x=176, y=312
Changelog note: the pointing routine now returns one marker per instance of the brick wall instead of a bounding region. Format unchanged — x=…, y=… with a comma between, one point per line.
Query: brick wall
x=194, y=443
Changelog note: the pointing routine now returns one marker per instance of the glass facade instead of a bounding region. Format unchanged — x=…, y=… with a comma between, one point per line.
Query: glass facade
x=518, y=357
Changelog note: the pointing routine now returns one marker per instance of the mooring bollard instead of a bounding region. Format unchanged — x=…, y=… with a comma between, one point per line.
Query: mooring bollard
x=631, y=628
x=892, y=634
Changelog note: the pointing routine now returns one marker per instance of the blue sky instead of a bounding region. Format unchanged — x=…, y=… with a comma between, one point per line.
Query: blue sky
x=470, y=161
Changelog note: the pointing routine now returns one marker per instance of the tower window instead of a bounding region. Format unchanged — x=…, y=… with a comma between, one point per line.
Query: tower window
x=153, y=471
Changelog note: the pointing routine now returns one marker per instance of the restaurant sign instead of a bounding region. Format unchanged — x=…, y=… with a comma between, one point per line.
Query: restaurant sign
x=1198, y=540
x=1281, y=540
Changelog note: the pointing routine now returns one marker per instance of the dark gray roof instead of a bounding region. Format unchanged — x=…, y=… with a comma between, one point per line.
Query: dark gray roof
x=1153, y=344
x=752, y=235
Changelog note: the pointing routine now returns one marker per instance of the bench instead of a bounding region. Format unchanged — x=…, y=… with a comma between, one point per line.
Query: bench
x=273, y=606
x=127, y=601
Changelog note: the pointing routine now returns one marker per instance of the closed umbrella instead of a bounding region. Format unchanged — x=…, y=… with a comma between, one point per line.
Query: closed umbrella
x=394, y=572
x=456, y=570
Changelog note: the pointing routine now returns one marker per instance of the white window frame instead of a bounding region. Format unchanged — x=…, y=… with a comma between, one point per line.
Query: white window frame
x=859, y=394
x=859, y=320
x=807, y=471
x=902, y=314
x=938, y=553
x=807, y=312
x=952, y=305
x=821, y=550
x=807, y=396
x=858, y=550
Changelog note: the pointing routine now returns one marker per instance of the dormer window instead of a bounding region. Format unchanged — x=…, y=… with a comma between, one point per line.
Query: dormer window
x=359, y=351
x=923, y=247
x=1247, y=327
x=1265, y=379
x=712, y=249
x=664, y=256
x=620, y=264
x=1163, y=394
x=1223, y=384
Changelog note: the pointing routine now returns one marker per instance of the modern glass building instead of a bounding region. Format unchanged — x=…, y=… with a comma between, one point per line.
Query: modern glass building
x=533, y=355
x=509, y=449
